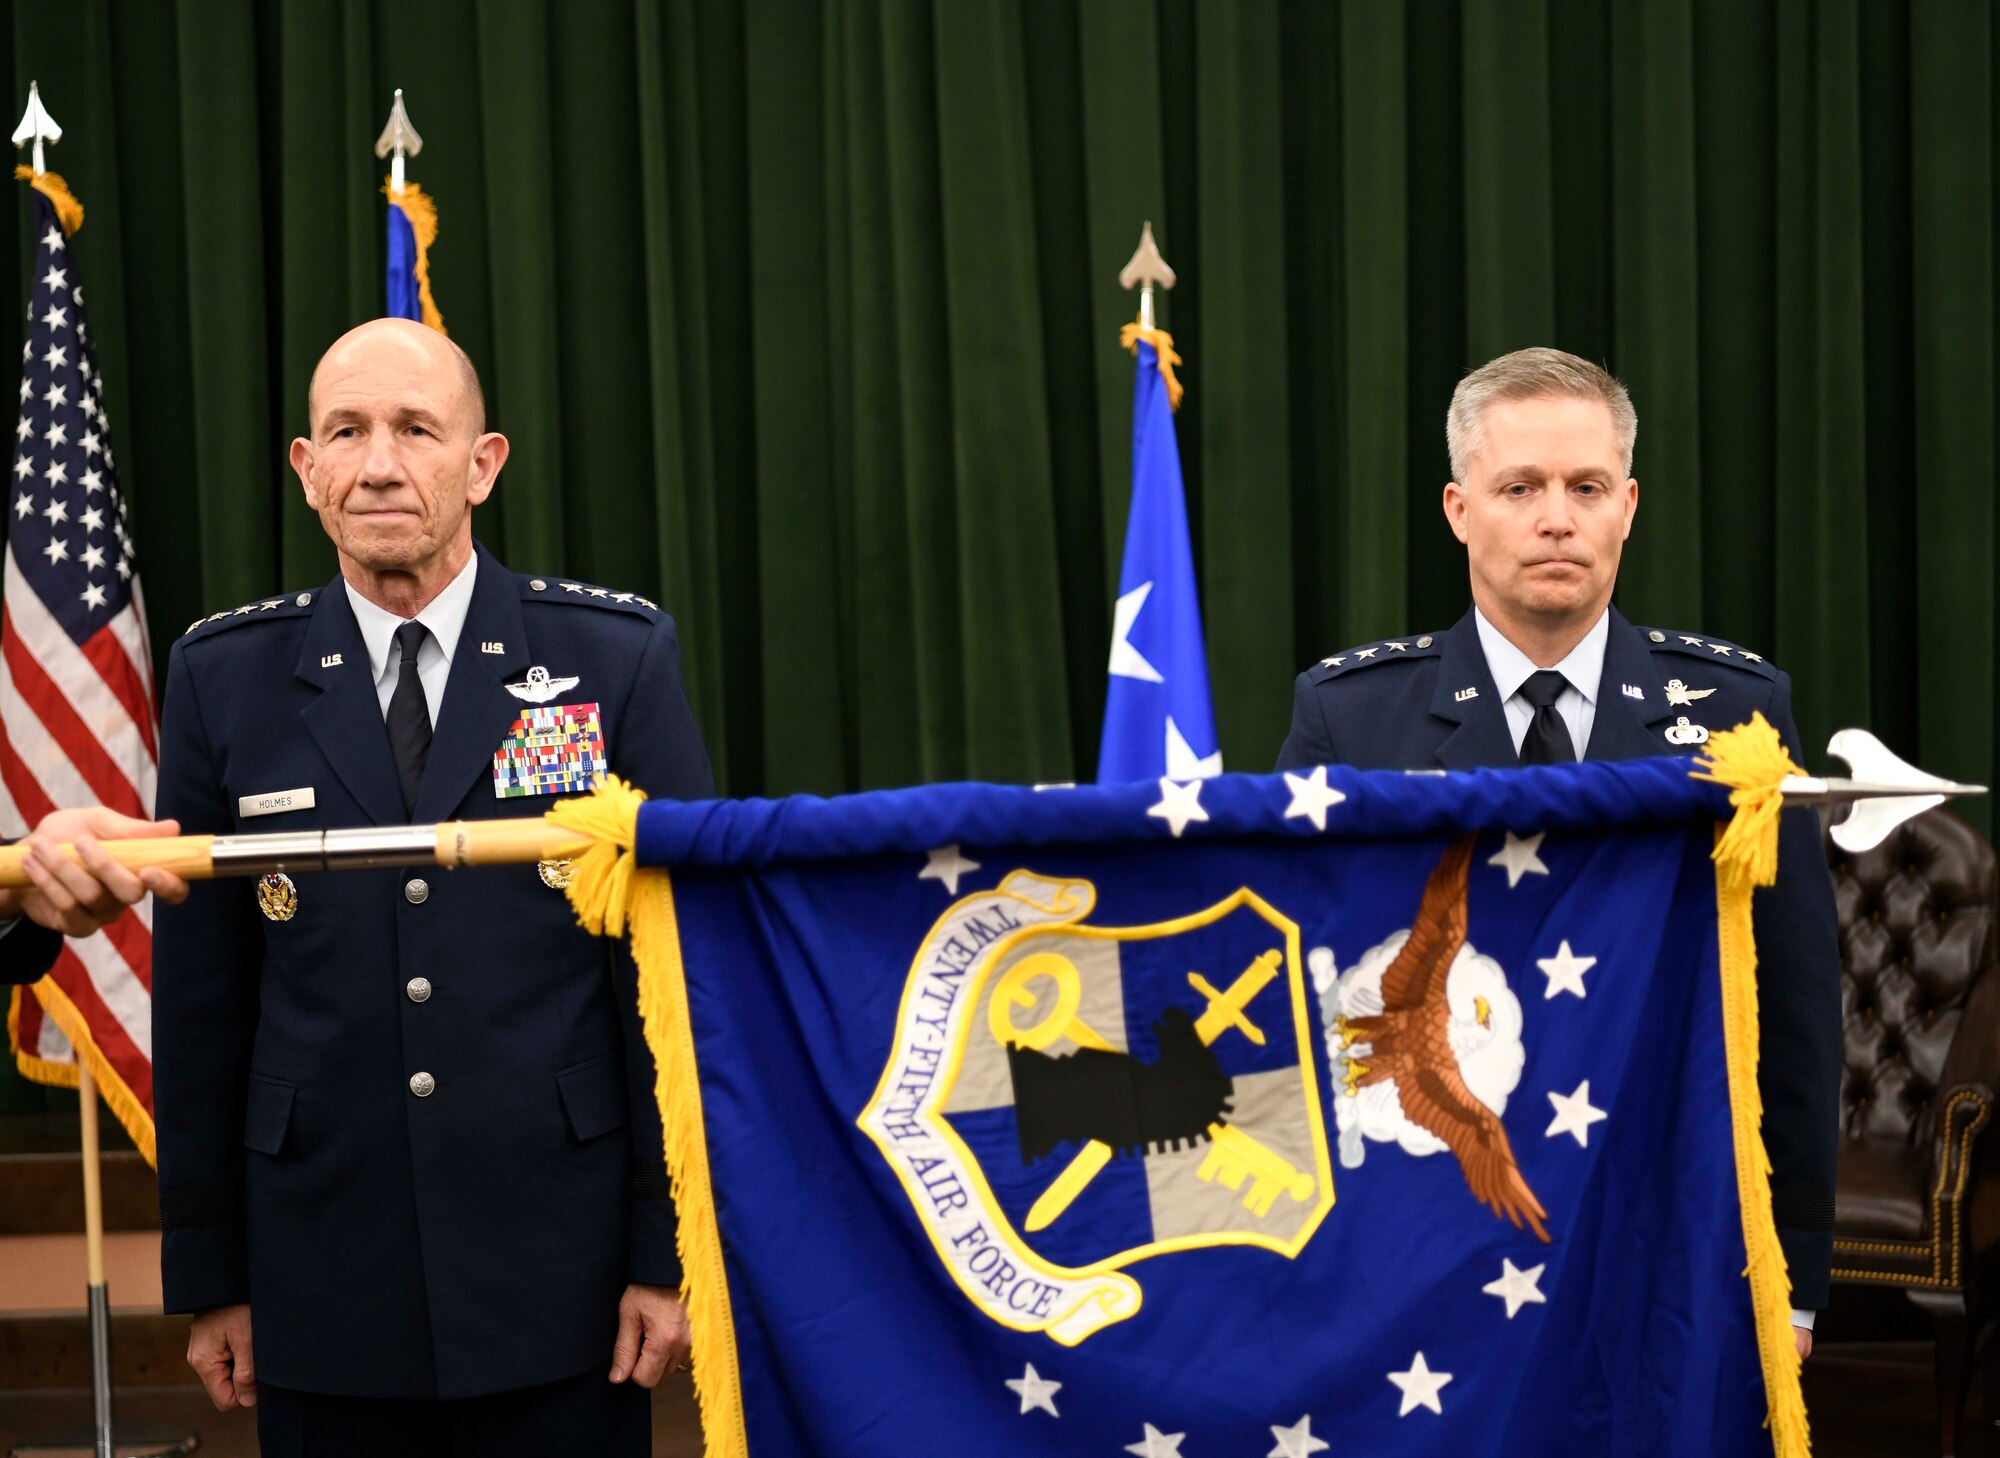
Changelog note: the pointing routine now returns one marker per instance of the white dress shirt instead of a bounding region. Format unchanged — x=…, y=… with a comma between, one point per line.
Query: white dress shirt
x=1582, y=671
x=444, y=615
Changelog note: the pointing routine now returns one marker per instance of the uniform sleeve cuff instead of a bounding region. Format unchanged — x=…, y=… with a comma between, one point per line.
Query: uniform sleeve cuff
x=1803, y=1319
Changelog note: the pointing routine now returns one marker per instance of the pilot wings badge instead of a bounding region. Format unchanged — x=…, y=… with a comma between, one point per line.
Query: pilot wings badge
x=1064, y=1100
x=538, y=687
x=1680, y=694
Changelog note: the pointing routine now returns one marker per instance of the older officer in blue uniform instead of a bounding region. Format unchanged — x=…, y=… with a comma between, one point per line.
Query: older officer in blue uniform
x=75, y=895
x=1544, y=669
x=411, y=1173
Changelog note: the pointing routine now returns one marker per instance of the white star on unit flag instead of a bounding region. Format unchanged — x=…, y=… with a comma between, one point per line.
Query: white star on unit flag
x=1574, y=1114
x=1520, y=856
x=947, y=865
x=1156, y=1444
x=1420, y=1386
x=1035, y=1391
x=1178, y=805
x=1565, y=971
x=1297, y=1441
x=1517, y=1287
x=1312, y=797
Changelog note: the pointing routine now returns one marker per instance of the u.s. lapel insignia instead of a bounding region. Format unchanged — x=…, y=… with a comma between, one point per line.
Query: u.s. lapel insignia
x=277, y=897
x=1633, y=691
x=555, y=874
x=551, y=749
x=1682, y=733
x=1463, y=694
x=1679, y=693
x=538, y=687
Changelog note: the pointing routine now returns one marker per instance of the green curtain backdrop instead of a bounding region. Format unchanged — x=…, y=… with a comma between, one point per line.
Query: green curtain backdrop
x=801, y=315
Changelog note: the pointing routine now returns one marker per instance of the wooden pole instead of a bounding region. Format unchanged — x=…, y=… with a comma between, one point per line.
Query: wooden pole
x=93, y=1243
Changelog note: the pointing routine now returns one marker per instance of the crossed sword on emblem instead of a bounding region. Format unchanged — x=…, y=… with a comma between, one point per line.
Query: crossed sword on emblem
x=1233, y=1156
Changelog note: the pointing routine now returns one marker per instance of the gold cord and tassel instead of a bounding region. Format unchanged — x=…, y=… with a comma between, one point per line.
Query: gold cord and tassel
x=69, y=212
x=1163, y=347
x=421, y=209
x=612, y=895
x=1751, y=760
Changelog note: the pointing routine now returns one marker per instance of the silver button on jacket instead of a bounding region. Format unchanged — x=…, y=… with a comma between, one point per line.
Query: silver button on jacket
x=419, y=989
x=421, y=1085
x=416, y=890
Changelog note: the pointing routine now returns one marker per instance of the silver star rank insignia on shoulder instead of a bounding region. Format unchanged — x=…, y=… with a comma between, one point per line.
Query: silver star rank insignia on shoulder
x=538, y=687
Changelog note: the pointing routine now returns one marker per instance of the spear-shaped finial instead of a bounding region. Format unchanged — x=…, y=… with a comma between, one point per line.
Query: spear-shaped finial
x=1145, y=270
x=400, y=139
x=36, y=126
x=1884, y=793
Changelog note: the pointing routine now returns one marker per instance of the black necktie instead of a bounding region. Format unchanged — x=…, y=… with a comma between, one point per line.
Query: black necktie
x=409, y=715
x=1547, y=740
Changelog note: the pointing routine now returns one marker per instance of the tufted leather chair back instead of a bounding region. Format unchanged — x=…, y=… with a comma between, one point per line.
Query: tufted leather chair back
x=1916, y=941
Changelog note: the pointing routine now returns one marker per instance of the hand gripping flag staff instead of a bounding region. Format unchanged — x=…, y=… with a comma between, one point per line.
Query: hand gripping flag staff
x=1055, y=1145
x=1158, y=719
x=77, y=726
x=413, y=225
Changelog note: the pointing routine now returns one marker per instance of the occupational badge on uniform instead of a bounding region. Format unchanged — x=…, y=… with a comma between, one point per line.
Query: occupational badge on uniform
x=1680, y=693
x=1680, y=732
x=538, y=687
x=555, y=874
x=551, y=749
x=277, y=897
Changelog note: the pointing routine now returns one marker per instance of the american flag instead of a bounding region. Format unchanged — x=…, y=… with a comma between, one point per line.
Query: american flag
x=76, y=682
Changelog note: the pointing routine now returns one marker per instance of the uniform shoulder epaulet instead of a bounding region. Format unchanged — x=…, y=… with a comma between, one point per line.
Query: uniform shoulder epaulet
x=1708, y=650
x=568, y=589
x=1389, y=650
x=259, y=610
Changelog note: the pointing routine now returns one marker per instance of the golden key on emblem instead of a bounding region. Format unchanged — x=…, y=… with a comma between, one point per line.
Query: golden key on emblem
x=1234, y=1157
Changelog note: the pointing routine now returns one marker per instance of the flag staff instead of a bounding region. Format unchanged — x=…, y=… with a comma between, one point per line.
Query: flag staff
x=39, y=129
x=398, y=140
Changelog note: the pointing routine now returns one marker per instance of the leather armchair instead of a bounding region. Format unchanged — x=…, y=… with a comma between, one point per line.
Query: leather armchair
x=1917, y=1199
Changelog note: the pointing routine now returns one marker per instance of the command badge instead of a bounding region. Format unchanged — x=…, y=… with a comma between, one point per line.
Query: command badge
x=551, y=749
x=277, y=897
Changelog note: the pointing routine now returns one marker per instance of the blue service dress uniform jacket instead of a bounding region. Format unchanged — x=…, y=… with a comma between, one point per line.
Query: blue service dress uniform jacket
x=414, y=1124
x=1404, y=704
x=27, y=951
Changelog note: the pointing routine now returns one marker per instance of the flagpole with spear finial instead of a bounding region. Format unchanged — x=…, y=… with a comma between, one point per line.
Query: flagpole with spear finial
x=398, y=140
x=39, y=130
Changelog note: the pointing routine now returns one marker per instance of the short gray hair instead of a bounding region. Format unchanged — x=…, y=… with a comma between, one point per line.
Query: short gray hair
x=1532, y=374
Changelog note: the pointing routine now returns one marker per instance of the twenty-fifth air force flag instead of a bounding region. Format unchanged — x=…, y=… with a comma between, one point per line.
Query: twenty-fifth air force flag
x=1157, y=714
x=76, y=677
x=1348, y=1112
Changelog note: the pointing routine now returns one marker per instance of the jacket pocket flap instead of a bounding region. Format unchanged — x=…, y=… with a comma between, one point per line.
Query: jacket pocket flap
x=267, y=1114
x=594, y=1097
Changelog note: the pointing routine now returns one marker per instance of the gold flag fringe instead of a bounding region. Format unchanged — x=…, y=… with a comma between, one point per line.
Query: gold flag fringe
x=65, y=1014
x=1163, y=347
x=1751, y=760
x=612, y=894
x=421, y=209
x=69, y=212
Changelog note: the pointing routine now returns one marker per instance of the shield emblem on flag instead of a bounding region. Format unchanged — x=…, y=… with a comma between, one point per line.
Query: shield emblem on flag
x=1065, y=1099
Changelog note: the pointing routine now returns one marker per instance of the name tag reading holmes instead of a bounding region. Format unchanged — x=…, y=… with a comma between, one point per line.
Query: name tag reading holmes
x=550, y=749
x=275, y=802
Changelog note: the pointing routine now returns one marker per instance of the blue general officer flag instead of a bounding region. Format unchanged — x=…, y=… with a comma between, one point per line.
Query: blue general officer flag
x=1157, y=714
x=1342, y=1112
x=413, y=226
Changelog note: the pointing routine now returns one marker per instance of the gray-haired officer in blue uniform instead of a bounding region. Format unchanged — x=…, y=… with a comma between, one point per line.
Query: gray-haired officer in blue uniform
x=75, y=897
x=1544, y=669
x=411, y=1172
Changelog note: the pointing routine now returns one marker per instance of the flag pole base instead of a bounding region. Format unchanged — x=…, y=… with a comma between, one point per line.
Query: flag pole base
x=128, y=1442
